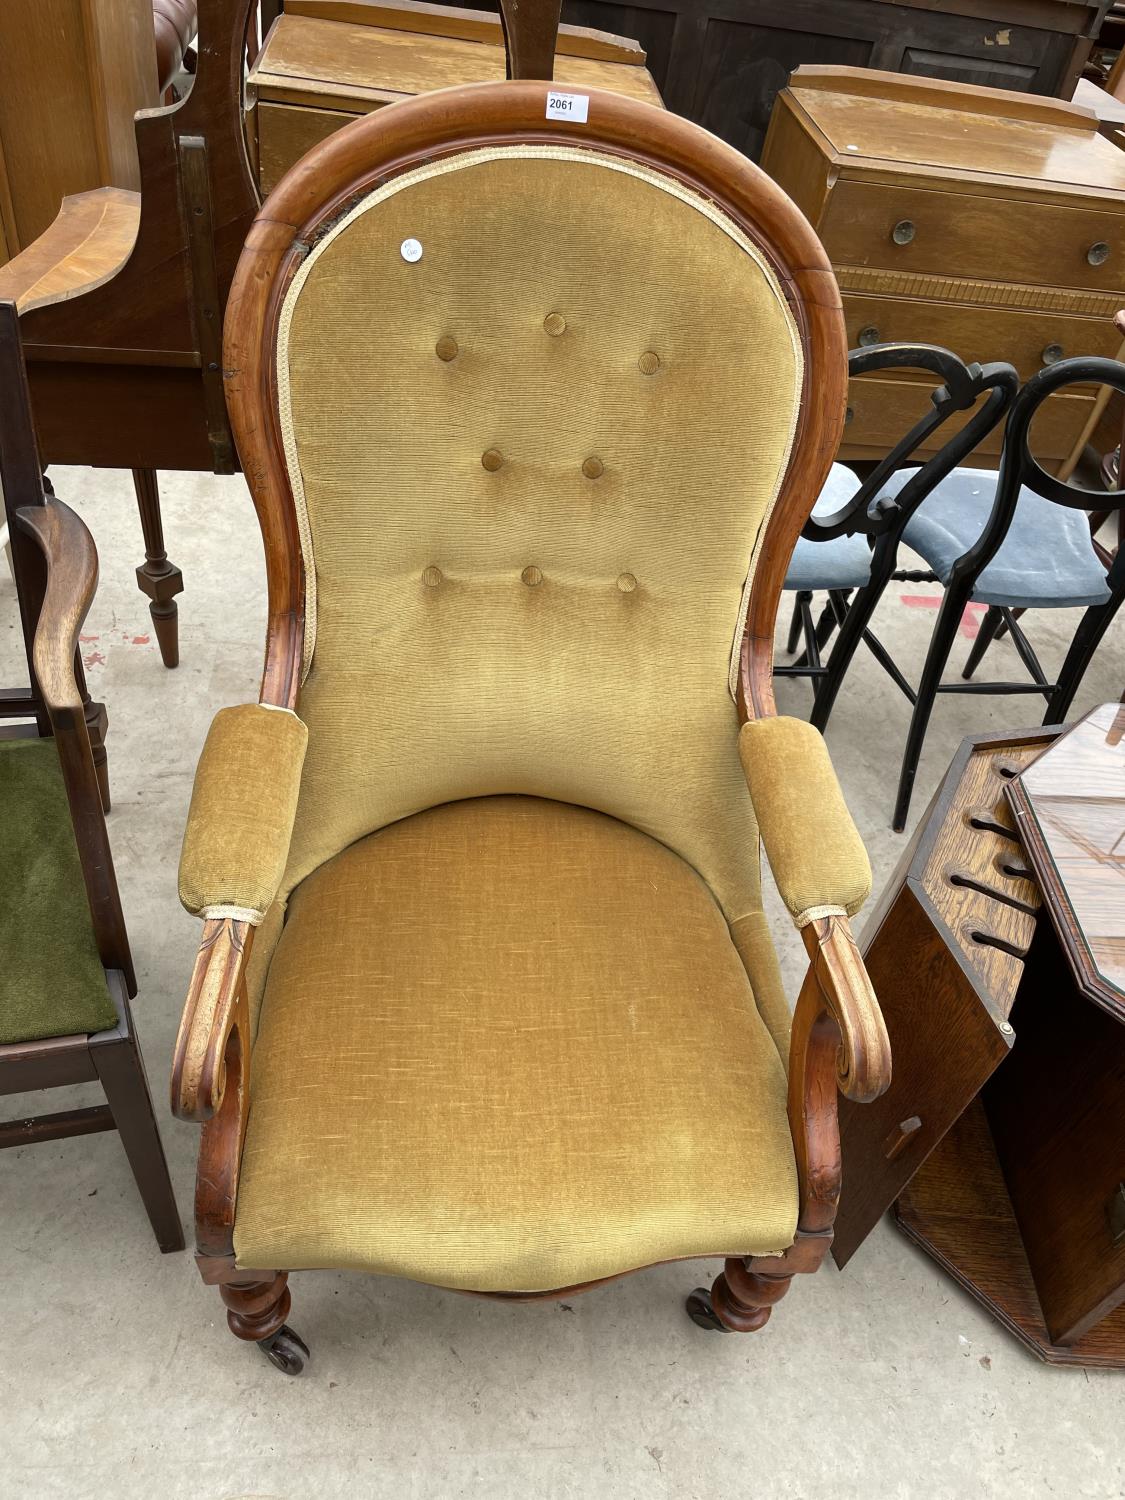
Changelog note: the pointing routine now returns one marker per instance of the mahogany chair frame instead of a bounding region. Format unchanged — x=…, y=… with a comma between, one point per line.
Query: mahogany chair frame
x=56, y=573
x=838, y=1039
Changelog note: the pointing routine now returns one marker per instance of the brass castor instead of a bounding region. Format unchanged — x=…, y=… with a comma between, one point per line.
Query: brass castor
x=701, y=1310
x=285, y=1350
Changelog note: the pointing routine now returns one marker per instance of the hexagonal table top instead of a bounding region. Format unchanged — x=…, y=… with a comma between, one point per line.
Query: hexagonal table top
x=1070, y=810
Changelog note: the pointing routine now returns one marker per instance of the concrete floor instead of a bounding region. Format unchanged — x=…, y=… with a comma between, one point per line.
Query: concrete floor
x=118, y=1376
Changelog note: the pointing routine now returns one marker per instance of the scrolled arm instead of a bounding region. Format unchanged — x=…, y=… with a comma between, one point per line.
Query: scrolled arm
x=72, y=580
x=215, y=1009
x=863, y=1061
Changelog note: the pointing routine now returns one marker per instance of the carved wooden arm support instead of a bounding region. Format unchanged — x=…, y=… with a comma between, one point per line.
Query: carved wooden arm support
x=211, y=1083
x=838, y=1043
x=72, y=579
x=215, y=1012
x=863, y=1064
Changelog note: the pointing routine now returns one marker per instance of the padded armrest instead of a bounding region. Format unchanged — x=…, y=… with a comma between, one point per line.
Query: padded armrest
x=816, y=854
x=242, y=808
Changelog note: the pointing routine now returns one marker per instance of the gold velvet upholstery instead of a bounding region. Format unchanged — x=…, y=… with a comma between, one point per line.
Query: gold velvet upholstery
x=517, y=1020
x=508, y=1044
x=815, y=852
x=242, y=809
x=525, y=540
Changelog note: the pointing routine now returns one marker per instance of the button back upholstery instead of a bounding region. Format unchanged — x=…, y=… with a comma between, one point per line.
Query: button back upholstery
x=512, y=623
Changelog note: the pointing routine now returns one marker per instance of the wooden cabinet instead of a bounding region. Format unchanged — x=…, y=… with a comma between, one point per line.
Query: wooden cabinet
x=990, y=223
x=73, y=73
x=326, y=62
x=722, y=62
x=998, y=956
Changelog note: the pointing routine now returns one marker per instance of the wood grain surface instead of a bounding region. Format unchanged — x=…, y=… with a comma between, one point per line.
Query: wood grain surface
x=467, y=25
x=340, y=66
x=87, y=244
x=958, y=1210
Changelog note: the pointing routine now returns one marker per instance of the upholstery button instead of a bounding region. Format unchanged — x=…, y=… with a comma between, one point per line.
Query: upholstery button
x=531, y=576
x=593, y=468
x=431, y=577
x=446, y=348
x=649, y=362
x=626, y=583
x=555, y=324
x=492, y=459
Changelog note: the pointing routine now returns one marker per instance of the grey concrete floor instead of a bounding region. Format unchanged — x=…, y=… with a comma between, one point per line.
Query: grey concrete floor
x=117, y=1374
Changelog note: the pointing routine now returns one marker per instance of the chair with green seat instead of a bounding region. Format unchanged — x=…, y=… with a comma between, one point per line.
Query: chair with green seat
x=532, y=412
x=66, y=975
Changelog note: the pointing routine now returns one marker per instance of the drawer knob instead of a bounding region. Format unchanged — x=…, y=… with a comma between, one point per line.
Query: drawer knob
x=1098, y=254
x=1052, y=354
x=903, y=232
x=868, y=336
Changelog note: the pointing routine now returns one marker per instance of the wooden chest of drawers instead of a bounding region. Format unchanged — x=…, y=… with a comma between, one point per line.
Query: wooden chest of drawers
x=988, y=222
x=326, y=62
x=721, y=62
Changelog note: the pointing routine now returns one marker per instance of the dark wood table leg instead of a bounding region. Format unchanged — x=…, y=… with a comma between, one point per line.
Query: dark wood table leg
x=120, y=1068
x=160, y=579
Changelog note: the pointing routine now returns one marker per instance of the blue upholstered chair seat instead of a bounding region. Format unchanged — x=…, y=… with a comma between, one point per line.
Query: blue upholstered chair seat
x=1046, y=561
x=844, y=562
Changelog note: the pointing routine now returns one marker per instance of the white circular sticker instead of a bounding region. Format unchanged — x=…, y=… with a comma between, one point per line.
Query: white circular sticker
x=411, y=250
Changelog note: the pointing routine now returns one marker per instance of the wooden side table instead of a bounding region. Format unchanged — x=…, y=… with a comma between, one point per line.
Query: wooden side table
x=998, y=955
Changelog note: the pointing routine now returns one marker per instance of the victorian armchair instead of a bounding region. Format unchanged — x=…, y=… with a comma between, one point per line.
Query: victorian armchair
x=532, y=397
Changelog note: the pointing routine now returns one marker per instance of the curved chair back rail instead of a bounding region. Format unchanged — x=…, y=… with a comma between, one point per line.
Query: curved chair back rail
x=1019, y=468
x=962, y=387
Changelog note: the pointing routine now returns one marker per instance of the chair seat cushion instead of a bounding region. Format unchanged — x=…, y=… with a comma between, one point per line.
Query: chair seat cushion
x=508, y=1045
x=1046, y=561
x=53, y=982
x=844, y=562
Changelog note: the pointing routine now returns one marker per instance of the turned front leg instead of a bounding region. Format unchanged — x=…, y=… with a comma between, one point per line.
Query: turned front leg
x=743, y=1299
x=257, y=1310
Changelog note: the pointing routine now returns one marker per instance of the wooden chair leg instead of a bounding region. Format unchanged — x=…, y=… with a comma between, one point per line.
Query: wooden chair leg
x=941, y=644
x=803, y=596
x=1091, y=628
x=160, y=579
x=989, y=627
x=832, y=615
x=121, y=1071
x=740, y=1300
x=855, y=622
x=256, y=1312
